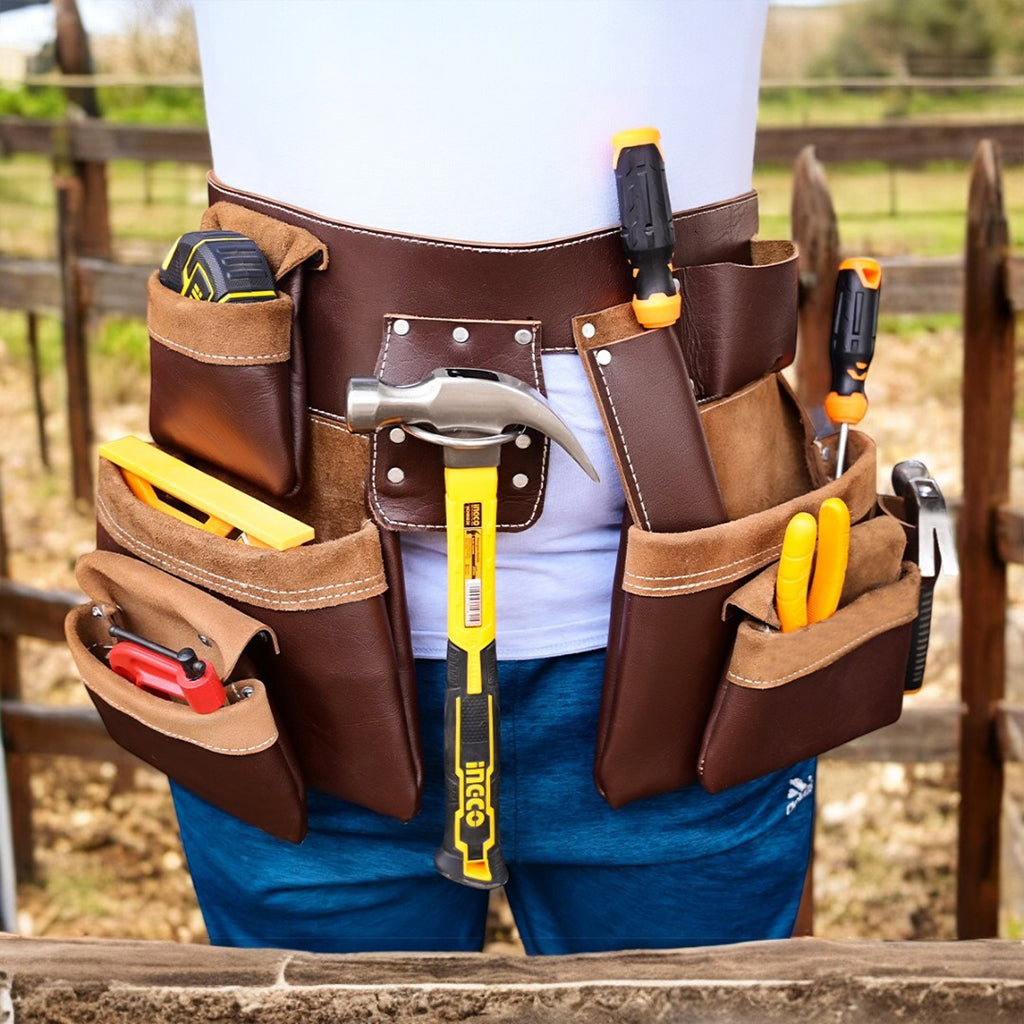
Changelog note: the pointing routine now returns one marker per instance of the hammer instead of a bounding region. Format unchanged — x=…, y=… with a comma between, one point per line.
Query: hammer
x=470, y=413
x=932, y=545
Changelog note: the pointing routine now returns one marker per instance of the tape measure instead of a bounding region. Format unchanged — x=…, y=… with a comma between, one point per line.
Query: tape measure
x=218, y=266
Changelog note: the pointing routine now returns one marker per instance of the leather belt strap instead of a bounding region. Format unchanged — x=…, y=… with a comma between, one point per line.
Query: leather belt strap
x=374, y=273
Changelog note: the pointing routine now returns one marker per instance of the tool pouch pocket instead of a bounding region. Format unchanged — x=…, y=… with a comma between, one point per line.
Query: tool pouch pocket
x=788, y=696
x=406, y=481
x=237, y=757
x=343, y=683
x=668, y=641
x=228, y=380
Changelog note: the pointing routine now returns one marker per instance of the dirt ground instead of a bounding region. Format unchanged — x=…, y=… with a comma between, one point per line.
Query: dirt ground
x=109, y=860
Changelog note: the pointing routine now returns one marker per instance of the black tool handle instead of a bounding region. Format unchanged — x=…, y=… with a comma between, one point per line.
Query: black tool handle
x=470, y=852
x=920, y=637
x=192, y=666
x=645, y=212
x=854, y=325
x=903, y=476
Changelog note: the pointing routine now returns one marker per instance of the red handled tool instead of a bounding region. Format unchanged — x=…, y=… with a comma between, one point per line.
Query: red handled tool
x=178, y=675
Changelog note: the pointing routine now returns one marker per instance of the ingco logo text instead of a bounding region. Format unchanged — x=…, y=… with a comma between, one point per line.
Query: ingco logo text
x=474, y=793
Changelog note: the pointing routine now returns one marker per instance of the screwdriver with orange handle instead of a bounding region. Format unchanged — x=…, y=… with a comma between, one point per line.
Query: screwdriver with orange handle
x=647, y=230
x=854, y=324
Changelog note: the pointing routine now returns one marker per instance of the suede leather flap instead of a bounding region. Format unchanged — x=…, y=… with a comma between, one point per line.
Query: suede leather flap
x=170, y=612
x=285, y=246
x=876, y=557
x=224, y=334
x=764, y=659
x=317, y=575
x=669, y=564
x=762, y=447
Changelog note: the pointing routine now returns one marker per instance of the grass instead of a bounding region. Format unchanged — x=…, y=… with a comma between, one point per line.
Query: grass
x=889, y=212
x=149, y=207
x=794, y=106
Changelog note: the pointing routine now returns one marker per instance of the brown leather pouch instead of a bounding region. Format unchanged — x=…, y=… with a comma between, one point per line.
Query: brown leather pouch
x=228, y=381
x=788, y=696
x=667, y=641
x=343, y=683
x=407, y=475
x=236, y=757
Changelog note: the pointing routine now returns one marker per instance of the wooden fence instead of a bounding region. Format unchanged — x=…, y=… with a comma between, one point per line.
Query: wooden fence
x=984, y=733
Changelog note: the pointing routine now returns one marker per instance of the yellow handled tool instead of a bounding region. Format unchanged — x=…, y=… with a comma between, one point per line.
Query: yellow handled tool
x=216, y=507
x=830, y=564
x=472, y=854
x=470, y=413
x=795, y=571
x=831, y=534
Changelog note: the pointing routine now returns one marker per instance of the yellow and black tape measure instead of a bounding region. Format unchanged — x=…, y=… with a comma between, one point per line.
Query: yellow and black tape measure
x=218, y=266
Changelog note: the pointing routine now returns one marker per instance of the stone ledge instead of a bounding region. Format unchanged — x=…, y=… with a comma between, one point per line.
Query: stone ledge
x=74, y=981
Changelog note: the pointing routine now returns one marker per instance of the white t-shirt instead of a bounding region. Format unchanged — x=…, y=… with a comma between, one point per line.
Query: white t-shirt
x=489, y=121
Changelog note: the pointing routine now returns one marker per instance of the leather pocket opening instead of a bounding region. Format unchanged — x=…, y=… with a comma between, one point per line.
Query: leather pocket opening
x=237, y=757
x=228, y=380
x=668, y=642
x=343, y=682
x=784, y=697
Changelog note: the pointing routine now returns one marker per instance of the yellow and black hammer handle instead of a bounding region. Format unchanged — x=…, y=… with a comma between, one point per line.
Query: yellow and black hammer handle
x=467, y=412
x=470, y=851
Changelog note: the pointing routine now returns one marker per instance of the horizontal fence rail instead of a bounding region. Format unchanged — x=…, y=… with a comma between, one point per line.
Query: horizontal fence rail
x=899, y=143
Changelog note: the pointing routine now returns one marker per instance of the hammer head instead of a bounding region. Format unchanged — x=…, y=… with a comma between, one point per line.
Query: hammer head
x=926, y=510
x=459, y=403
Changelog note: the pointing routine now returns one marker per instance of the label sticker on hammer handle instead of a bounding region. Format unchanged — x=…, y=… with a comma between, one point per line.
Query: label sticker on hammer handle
x=472, y=520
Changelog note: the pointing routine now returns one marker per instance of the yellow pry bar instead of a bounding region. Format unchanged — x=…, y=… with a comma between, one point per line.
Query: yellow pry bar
x=257, y=520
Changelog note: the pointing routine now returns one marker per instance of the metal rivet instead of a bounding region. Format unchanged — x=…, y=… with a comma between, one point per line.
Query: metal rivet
x=460, y=334
x=400, y=327
x=588, y=330
x=604, y=357
x=395, y=475
x=205, y=640
x=523, y=336
x=97, y=612
x=246, y=692
x=397, y=434
x=520, y=480
x=524, y=441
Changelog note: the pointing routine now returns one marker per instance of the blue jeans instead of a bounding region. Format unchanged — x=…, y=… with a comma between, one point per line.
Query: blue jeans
x=681, y=869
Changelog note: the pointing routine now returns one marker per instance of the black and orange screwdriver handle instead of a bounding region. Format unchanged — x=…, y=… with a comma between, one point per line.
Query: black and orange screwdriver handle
x=648, y=234
x=854, y=324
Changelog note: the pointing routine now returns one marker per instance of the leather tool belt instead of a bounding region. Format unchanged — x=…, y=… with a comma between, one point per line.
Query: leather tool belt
x=714, y=452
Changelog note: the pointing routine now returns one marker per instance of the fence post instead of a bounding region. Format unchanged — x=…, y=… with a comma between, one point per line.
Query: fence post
x=817, y=235
x=19, y=781
x=75, y=353
x=988, y=413
x=32, y=331
x=74, y=58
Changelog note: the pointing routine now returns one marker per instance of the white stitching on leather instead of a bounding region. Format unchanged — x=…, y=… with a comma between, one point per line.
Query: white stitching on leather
x=262, y=745
x=829, y=658
x=225, y=584
x=771, y=552
x=374, y=448
x=625, y=447
x=548, y=247
x=252, y=357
